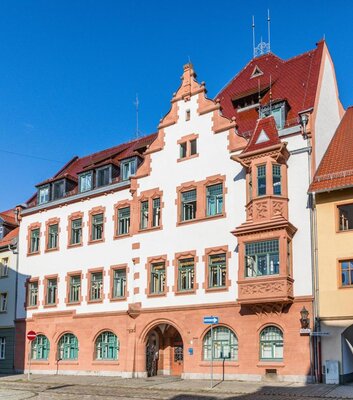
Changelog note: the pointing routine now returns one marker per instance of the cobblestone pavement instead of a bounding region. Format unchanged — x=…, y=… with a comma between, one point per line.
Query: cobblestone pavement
x=41, y=387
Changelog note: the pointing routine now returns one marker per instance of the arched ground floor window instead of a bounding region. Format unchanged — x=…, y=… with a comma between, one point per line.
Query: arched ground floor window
x=223, y=346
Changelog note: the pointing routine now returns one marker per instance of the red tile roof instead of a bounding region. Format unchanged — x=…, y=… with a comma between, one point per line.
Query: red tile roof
x=9, y=217
x=265, y=135
x=294, y=80
x=336, y=167
x=8, y=239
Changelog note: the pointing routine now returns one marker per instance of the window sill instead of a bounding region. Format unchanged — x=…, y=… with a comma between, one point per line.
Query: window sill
x=345, y=287
x=94, y=301
x=72, y=246
x=345, y=231
x=156, y=295
x=76, y=303
x=188, y=158
x=35, y=253
x=217, y=289
x=202, y=219
x=95, y=241
x=31, y=307
x=39, y=362
x=117, y=299
x=49, y=305
x=216, y=363
x=67, y=362
x=185, y=292
x=51, y=250
x=153, y=228
x=4, y=276
x=105, y=362
x=122, y=236
x=3, y=311
x=270, y=363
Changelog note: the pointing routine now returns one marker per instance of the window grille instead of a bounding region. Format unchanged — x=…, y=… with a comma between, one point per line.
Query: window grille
x=225, y=344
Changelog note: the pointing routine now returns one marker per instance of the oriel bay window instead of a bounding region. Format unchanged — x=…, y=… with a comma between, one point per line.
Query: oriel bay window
x=262, y=258
x=276, y=179
x=261, y=180
x=123, y=221
x=119, y=283
x=214, y=199
x=68, y=347
x=107, y=346
x=217, y=270
x=40, y=348
x=222, y=346
x=96, y=286
x=158, y=276
x=186, y=273
x=271, y=344
x=53, y=231
x=188, y=205
x=74, y=288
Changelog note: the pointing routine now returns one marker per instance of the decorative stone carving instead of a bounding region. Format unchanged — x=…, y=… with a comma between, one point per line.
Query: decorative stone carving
x=277, y=208
x=250, y=211
x=261, y=209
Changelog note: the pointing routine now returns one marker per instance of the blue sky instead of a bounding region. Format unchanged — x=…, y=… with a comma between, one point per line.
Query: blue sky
x=70, y=70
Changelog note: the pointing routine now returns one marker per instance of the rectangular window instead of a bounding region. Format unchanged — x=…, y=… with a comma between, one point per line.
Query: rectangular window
x=123, y=220
x=3, y=302
x=186, y=271
x=188, y=205
x=97, y=227
x=4, y=267
x=157, y=278
x=43, y=195
x=75, y=289
x=34, y=240
x=214, y=199
x=345, y=214
x=53, y=236
x=85, y=182
x=52, y=286
x=2, y=348
x=96, y=289
x=76, y=231
x=276, y=179
x=128, y=168
x=183, y=149
x=278, y=111
x=58, y=190
x=119, y=283
x=32, y=294
x=193, y=147
x=217, y=270
x=156, y=208
x=261, y=180
x=346, y=267
x=103, y=176
x=144, y=214
x=262, y=258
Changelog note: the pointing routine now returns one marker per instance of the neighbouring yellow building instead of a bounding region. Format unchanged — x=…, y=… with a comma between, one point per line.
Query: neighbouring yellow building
x=332, y=189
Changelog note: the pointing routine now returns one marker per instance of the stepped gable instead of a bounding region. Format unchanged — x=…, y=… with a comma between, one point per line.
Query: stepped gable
x=336, y=167
x=294, y=80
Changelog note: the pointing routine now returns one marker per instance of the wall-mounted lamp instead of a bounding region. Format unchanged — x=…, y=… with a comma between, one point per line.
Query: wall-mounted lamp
x=304, y=119
x=304, y=320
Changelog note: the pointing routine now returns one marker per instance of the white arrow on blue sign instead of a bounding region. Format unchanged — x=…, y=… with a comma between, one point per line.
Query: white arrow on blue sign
x=210, y=320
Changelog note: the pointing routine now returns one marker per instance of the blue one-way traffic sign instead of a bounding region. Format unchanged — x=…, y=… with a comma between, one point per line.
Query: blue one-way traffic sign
x=210, y=320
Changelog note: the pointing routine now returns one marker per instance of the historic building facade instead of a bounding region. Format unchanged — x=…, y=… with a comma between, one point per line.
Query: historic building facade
x=332, y=189
x=127, y=250
x=8, y=268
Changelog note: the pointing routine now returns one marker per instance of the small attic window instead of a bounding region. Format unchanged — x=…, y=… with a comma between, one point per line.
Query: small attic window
x=256, y=72
x=187, y=115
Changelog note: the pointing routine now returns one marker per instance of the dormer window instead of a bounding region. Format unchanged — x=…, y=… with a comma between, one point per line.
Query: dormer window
x=128, y=168
x=103, y=176
x=278, y=111
x=43, y=194
x=85, y=182
x=58, y=189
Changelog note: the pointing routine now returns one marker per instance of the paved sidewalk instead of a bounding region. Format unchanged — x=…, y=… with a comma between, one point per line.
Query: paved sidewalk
x=171, y=384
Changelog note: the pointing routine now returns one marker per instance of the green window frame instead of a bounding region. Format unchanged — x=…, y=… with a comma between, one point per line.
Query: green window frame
x=261, y=180
x=96, y=286
x=224, y=345
x=188, y=205
x=97, y=226
x=156, y=211
x=53, y=236
x=76, y=231
x=32, y=294
x=186, y=274
x=262, y=258
x=52, y=287
x=107, y=346
x=75, y=289
x=193, y=147
x=144, y=214
x=68, y=347
x=34, y=240
x=217, y=270
x=214, y=199
x=183, y=150
x=123, y=221
x=119, y=283
x=158, y=276
x=276, y=179
x=346, y=270
x=40, y=348
x=271, y=344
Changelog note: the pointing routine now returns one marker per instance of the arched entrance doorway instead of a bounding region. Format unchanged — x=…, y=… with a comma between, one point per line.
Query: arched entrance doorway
x=164, y=351
x=347, y=354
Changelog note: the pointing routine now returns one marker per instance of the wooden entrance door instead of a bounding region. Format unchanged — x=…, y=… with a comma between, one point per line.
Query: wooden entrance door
x=177, y=356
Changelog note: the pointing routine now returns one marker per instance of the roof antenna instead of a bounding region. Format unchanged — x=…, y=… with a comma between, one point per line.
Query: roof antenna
x=269, y=30
x=253, y=36
x=136, y=103
x=263, y=47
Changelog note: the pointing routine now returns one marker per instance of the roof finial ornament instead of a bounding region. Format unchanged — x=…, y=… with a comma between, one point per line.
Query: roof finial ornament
x=262, y=47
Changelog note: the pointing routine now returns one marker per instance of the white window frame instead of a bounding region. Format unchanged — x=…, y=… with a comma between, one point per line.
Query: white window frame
x=83, y=176
x=2, y=348
x=4, y=267
x=47, y=196
x=3, y=301
x=131, y=163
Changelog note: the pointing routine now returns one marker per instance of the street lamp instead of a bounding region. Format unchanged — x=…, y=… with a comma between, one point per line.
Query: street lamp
x=304, y=119
x=304, y=320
